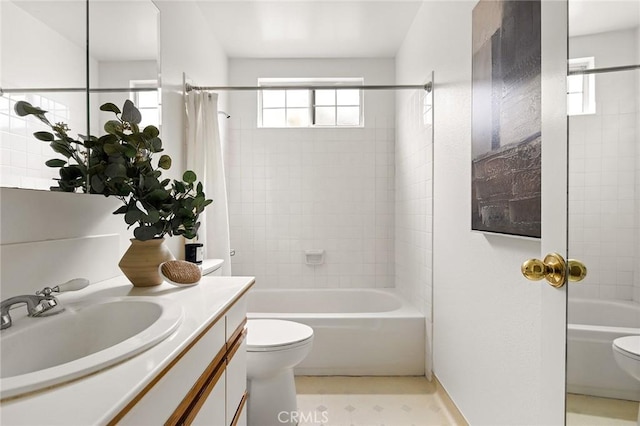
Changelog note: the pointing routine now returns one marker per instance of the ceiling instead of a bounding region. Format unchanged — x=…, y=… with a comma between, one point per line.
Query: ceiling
x=592, y=17
x=310, y=29
x=284, y=28
x=119, y=30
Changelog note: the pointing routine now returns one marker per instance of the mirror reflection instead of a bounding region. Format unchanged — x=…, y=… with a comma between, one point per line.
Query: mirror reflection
x=43, y=46
x=123, y=54
x=604, y=210
x=44, y=62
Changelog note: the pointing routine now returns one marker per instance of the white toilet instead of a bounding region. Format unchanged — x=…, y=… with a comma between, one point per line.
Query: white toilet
x=626, y=351
x=212, y=267
x=274, y=348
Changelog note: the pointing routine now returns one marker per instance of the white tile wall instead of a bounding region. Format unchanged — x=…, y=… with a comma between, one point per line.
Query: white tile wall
x=604, y=186
x=292, y=190
x=295, y=190
x=414, y=195
x=414, y=206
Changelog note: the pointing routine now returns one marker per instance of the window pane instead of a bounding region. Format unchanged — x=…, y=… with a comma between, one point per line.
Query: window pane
x=147, y=99
x=297, y=98
x=149, y=117
x=348, y=116
x=574, y=103
x=325, y=116
x=273, y=117
x=574, y=83
x=297, y=117
x=325, y=97
x=273, y=98
x=348, y=97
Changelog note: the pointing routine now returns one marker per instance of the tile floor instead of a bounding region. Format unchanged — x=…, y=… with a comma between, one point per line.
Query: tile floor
x=373, y=401
x=583, y=410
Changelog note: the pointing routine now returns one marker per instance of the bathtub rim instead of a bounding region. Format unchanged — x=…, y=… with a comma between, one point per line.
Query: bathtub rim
x=406, y=309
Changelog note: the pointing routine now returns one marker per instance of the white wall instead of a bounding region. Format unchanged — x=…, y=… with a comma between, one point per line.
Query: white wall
x=604, y=195
x=486, y=316
x=297, y=189
x=32, y=216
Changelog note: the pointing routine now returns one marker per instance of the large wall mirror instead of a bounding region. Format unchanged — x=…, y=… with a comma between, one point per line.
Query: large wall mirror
x=47, y=61
x=604, y=208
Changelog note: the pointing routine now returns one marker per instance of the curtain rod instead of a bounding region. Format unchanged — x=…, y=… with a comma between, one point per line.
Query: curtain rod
x=77, y=89
x=426, y=87
x=603, y=70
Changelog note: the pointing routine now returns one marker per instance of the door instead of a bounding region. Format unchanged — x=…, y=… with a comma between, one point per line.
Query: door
x=554, y=207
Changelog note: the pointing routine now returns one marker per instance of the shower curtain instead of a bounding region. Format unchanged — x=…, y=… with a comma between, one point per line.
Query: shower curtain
x=205, y=157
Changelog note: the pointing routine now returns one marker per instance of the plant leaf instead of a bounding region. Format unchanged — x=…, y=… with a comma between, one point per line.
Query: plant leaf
x=97, y=185
x=121, y=210
x=144, y=233
x=113, y=127
x=115, y=170
x=23, y=108
x=130, y=113
x=55, y=162
x=189, y=177
x=164, y=162
x=61, y=148
x=133, y=215
x=156, y=144
x=110, y=107
x=44, y=136
x=151, y=132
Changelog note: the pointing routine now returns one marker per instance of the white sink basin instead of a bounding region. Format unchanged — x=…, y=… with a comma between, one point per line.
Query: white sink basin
x=40, y=352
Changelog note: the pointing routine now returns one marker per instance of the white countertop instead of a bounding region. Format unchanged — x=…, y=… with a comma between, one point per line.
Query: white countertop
x=97, y=398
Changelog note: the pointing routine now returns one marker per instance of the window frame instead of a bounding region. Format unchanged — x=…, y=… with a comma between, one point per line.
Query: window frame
x=300, y=84
x=134, y=96
x=588, y=91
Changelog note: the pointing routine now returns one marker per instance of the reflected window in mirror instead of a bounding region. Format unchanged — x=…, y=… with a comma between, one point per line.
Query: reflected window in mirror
x=147, y=102
x=581, y=88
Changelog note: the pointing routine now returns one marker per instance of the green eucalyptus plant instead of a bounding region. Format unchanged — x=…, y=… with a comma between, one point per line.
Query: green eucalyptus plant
x=120, y=164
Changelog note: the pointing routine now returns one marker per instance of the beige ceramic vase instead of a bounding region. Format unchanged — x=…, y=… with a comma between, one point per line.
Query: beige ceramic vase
x=140, y=262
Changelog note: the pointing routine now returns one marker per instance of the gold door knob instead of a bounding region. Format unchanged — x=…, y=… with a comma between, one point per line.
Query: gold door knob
x=577, y=270
x=554, y=269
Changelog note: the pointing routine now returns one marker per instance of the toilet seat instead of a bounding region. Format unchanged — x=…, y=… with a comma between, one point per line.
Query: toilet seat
x=628, y=346
x=266, y=335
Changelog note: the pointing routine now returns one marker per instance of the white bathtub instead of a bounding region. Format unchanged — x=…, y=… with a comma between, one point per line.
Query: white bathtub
x=356, y=331
x=591, y=368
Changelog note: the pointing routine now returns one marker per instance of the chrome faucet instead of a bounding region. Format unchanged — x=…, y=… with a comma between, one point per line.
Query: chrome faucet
x=40, y=304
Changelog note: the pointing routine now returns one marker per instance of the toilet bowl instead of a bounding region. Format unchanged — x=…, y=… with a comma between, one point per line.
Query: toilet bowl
x=626, y=351
x=274, y=348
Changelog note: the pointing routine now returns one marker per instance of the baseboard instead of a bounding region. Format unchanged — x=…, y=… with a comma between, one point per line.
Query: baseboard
x=456, y=416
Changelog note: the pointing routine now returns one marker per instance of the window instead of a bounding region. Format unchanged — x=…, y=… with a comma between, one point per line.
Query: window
x=296, y=107
x=581, y=94
x=147, y=102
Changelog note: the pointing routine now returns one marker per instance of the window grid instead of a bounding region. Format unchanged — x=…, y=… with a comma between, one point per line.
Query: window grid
x=312, y=110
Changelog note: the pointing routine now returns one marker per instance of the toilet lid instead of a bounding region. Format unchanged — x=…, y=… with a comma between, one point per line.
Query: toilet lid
x=273, y=334
x=629, y=345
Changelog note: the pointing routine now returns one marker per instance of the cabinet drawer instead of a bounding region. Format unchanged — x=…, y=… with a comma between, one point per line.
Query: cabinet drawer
x=212, y=411
x=235, y=317
x=177, y=380
x=236, y=376
x=241, y=415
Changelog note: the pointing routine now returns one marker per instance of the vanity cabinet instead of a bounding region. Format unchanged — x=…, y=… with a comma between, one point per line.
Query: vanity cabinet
x=204, y=385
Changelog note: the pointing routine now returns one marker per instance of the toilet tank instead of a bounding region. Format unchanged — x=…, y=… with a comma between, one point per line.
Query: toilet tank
x=212, y=267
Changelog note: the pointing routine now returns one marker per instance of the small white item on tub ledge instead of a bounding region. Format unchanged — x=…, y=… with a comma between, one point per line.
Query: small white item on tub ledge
x=314, y=257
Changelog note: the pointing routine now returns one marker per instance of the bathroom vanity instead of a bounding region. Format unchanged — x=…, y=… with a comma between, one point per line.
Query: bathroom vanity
x=197, y=375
